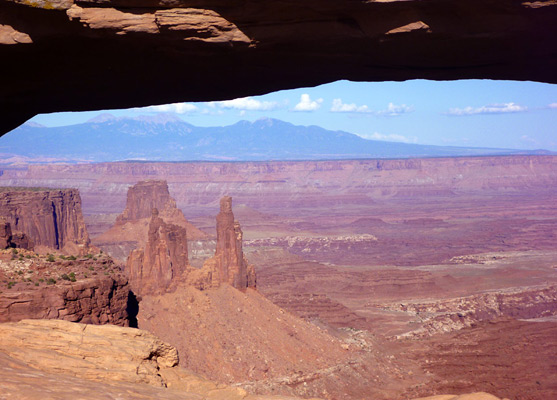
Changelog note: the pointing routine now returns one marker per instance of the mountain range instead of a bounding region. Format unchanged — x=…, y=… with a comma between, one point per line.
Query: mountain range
x=166, y=137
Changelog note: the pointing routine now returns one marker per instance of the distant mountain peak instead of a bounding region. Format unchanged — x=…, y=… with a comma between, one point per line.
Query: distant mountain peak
x=33, y=124
x=99, y=119
x=159, y=118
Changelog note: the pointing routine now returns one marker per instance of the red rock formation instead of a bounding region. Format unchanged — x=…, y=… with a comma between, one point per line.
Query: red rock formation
x=143, y=197
x=130, y=229
x=93, y=301
x=163, y=261
x=229, y=264
x=13, y=239
x=52, y=219
x=278, y=185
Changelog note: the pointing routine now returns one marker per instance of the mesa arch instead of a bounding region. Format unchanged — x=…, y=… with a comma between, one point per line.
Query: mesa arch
x=74, y=55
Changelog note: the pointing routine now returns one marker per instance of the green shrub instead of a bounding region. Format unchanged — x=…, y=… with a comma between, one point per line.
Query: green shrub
x=50, y=258
x=65, y=277
x=51, y=281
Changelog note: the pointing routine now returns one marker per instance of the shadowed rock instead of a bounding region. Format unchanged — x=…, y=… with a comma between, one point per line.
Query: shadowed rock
x=13, y=239
x=216, y=50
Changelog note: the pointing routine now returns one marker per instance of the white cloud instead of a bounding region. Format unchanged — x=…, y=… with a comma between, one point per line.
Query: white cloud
x=246, y=104
x=489, y=109
x=388, y=138
x=339, y=106
x=394, y=110
x=528, y=139
x=552, y=105
x=178, y=108
x=306, y=104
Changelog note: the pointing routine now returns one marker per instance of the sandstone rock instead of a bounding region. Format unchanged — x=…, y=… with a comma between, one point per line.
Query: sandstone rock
x=130, y=230
x=5, y=234
x=13, y=239
x=162, y=262
x=143, y=197
x=469, y=396
x=215, y=49
x=94, y=301
x=88, y=351
x=229, y=264
x=62, y=360
x=52, y=219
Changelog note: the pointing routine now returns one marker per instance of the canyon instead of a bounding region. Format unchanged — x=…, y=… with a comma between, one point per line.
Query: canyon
x=384, y=279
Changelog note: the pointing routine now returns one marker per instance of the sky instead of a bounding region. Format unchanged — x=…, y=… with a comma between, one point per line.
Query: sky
x=471, y=113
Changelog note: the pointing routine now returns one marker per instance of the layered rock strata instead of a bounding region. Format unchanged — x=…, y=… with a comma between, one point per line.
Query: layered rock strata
x=52, y=219
x=89, y=289
x=93, y=301
x=216, y=50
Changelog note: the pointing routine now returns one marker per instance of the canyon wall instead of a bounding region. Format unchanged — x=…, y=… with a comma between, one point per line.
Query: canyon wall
x=277, y=185
x=52, y=219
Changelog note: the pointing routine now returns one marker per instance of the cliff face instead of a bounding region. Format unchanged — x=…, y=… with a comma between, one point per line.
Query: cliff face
x=52, y=219
x=93, y=301
x=143, y=197
x=13, y=239
x=163, y=260
x=216, y=50
x=293, y=184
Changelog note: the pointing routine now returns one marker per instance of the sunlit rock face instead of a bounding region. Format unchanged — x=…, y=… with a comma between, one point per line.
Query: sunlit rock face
x=99, y=54
x=51, y=219
x=231, y=265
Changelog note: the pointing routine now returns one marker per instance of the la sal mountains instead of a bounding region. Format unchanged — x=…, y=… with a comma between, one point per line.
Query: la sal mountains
x=166, y=137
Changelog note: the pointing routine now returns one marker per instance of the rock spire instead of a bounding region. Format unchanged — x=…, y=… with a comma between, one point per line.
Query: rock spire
x=164, y=259
x=230, y=263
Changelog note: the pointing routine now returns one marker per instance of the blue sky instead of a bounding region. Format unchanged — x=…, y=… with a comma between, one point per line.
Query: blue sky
x=479, y=113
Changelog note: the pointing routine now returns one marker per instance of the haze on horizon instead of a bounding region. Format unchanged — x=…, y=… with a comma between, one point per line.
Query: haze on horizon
x=471, y=113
